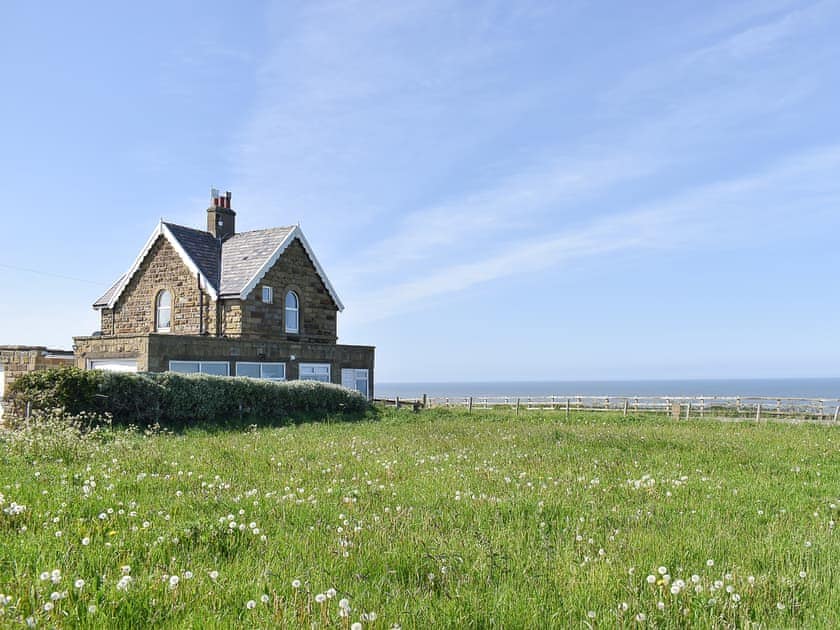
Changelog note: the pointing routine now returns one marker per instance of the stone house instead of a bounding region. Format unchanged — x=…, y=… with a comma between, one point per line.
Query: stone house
x=254, y=304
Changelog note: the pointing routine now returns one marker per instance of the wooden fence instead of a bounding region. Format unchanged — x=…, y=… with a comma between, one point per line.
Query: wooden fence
x=754, y=407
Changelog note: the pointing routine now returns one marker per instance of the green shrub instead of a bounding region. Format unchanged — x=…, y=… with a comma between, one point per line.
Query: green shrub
x=178, y=399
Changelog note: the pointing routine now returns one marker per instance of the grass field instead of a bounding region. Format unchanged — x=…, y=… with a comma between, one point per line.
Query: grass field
x=429, y=520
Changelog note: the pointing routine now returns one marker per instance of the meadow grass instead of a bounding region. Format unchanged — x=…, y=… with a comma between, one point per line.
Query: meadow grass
x=436, y=519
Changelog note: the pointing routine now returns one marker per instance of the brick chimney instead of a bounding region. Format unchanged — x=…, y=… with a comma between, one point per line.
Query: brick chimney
x=221, y=220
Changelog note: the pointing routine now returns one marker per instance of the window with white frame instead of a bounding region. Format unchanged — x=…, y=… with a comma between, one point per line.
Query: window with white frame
x=356, y=379
x=267, y=371
x=292, y=312
x=314, y=372
x=267, y=295
x=215, y=368
x=163, y=311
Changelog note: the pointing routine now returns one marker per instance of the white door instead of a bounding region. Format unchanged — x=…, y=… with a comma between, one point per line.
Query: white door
x=113, y=365
x=352, y=378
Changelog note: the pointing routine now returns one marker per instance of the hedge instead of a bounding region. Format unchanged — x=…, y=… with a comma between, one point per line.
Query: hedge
x=178, y=399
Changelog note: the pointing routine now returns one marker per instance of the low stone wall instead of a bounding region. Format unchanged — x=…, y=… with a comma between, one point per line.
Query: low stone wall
x=18, y=360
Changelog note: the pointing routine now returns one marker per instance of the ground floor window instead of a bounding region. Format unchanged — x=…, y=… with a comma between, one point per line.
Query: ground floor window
x=268, y=371
x=216, y=368
x=353, y=378
x=315, y=372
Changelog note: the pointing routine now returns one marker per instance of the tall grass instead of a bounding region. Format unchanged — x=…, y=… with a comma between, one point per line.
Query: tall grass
x=434, y=519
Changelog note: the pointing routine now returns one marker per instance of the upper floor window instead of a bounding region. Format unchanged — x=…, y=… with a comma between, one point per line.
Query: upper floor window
x=292, y=313
x=267, y=295
x=163, y=314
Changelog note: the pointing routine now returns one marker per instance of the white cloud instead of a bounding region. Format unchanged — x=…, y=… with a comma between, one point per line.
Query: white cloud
x=726, y=213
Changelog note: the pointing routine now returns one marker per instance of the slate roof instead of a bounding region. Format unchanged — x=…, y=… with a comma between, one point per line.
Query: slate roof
x=103, y=301
x=202, y=247
x=230, y=268
x=244, y=254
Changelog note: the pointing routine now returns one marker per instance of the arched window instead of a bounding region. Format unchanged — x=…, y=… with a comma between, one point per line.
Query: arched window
x=292, y=313
x=163, y=312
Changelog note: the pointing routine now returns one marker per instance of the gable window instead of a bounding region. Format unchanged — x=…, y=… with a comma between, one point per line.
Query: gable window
x=315, y=372
x=163, y=312
x=267, y=371
x=292, y=313
x=267, y=295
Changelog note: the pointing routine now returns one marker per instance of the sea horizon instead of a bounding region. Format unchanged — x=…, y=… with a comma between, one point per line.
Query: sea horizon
x=817, y=387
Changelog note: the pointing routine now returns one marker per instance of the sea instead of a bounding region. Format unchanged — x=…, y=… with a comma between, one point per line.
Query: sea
x=774, y=387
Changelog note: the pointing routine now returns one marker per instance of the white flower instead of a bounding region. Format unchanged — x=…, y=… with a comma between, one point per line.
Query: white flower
x=660, y=605
x=264, y=598
x=79, y=583
x=126, y=569
x=320, y=598
x=780, y=606
x=173, y=581
x=214, y=575
x=675, y=590
x=651, y=579
x=802, y=574
x=124, y=583
x=49, y=606
x=295, y=583
x=356, y=626
x=591, y=614
x=250, y=604
x=662, y=570
x=45, y=575
x=331, y=592
x=710, y=563
x=92, y=608
x=188, y=575
x=641, y=616
x=695, y=579
x=344, y=603
x=85, y=541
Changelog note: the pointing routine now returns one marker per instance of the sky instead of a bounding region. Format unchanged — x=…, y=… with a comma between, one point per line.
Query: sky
x=498, y=191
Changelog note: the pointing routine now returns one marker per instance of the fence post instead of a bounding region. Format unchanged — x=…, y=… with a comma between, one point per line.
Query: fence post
x=836, y=411
x=758, y=412
x=517, y=406
x=28, y=409
x=425, y=401
x=688, y=410
x=470, y=405
x=397, y=402
x=625, y=407
x=567, y=409
x=676, y=409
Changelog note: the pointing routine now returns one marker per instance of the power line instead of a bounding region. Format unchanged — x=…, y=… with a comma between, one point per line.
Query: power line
x=50, y=274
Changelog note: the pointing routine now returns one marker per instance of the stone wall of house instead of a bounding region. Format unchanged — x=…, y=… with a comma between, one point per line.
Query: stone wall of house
x=113, y=347
x=135, y=311
x=154, y=352
x=166, y=348
x=254, y=319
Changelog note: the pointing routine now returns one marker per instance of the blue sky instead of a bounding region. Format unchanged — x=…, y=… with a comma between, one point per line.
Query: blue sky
x=499, y=191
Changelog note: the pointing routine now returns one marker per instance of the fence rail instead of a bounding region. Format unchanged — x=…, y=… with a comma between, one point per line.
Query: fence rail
x=823, y=409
